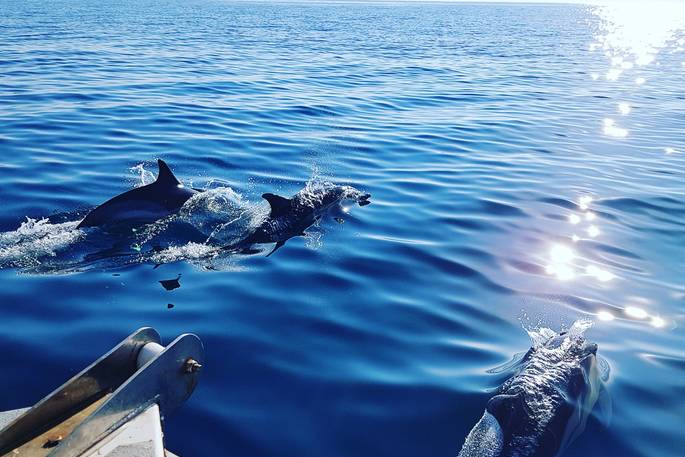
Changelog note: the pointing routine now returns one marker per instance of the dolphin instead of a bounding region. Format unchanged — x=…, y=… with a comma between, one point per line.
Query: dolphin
x=540, y=410
x=142, y=205
x=290, y=217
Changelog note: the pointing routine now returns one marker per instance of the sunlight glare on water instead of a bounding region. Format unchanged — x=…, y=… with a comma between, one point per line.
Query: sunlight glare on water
x=637, y=31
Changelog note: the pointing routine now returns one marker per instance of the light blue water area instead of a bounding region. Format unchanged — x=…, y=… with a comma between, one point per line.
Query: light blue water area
x=526, y=165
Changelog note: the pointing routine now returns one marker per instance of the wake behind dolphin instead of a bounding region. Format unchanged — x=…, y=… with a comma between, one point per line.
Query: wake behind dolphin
x=165, y=222
x=545, y=405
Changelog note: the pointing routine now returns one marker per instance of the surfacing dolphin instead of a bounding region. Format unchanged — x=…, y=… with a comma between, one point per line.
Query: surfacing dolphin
x=290, y=217
x=540, y=410
x=143, y=205
x=164, y=222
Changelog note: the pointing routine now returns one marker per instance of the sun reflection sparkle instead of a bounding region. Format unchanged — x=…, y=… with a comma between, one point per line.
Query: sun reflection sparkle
x=561, y=258
x=613, y=74
x=563, y=262
x=636, y=312
x=631, y=35
x=561, y=254
x=605, y=316
x=636, y=31
x=657, y=322
x=584, y=202
x=610, y=129
x=601, y=275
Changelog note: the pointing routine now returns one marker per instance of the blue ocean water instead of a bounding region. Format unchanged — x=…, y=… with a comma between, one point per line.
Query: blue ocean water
x=526, y=165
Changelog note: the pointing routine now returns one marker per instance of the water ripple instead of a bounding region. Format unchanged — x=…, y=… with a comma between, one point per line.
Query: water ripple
x=526, y=164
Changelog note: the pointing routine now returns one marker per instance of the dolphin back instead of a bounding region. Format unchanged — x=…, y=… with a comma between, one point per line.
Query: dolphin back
x=545, y=405
x=144, y=204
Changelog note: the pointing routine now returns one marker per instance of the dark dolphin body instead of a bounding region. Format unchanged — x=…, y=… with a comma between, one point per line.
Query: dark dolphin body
x=542, y=408
x=165, y=222
x=142, y=205
x=290, y=217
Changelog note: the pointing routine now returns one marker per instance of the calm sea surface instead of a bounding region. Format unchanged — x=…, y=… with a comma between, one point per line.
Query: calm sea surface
x=527, y=168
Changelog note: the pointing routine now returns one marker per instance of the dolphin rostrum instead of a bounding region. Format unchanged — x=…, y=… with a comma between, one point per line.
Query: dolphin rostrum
x=290, y=217
x=144, y=204
x=545, y=405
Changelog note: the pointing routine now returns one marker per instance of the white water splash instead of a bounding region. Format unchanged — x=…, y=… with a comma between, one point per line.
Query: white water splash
x=539, y=336
x=315, y=191
x=36, y=239
x=190, y=251
x=222, y=214
x=314, y=237
x=143, y=176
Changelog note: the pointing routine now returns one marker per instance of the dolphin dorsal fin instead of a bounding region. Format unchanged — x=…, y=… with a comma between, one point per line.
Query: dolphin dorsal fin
x=279, y=205
x=165, y=176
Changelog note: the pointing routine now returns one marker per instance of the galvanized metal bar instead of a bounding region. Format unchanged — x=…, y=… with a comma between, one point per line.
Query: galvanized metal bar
x=167, y=380
x=103, y=376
